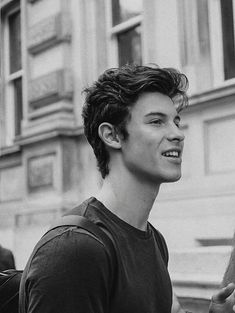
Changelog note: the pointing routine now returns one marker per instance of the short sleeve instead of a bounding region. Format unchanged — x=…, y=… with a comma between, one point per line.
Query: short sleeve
x=70, y=273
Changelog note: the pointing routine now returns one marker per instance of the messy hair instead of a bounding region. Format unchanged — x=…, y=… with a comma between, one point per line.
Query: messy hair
x=110, y=98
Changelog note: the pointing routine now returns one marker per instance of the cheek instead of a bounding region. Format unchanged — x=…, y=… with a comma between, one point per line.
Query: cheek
x=144, y=145
x=148, y=153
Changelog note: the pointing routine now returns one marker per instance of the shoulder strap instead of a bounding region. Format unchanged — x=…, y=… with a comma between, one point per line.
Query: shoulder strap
x=9, y=289
x=84, y=223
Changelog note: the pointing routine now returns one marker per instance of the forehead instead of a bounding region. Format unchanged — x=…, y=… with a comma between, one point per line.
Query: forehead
x=153, y=103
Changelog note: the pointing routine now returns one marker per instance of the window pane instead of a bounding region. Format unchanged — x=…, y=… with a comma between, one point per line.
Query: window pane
x=15, y=42
x=18, y=105
x=203, y=27
x=228, y=38
x=123, y=10
x=186, y=11
x=129, y=46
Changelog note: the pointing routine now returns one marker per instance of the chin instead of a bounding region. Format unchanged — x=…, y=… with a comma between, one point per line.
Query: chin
x=172, y=178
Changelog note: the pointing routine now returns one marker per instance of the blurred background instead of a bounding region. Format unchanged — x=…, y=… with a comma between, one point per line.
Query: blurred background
x=49, y=51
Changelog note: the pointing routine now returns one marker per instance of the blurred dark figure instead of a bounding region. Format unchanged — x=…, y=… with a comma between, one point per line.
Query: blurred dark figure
x=7, y=260
x=229, y=275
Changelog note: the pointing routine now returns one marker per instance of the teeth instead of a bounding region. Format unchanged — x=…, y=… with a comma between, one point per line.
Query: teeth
x=174, y=154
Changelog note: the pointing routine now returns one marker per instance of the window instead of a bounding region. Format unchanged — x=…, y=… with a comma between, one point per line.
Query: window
x=11, y=60
x=222, y=38
x=126, y=31
x=227, y=19
x=207, y=32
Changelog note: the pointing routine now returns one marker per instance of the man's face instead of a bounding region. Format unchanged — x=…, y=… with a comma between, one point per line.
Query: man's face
x=153, y=150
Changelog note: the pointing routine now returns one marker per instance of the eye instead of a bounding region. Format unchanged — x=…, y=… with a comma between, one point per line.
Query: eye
x=157, y=122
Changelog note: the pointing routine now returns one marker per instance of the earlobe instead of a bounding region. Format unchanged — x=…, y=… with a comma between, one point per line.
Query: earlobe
x=109, y=136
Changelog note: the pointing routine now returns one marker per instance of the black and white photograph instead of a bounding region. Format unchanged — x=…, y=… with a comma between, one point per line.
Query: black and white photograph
x=117, y=156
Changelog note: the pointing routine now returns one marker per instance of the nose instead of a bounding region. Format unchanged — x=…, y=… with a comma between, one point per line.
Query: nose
x=175, y=134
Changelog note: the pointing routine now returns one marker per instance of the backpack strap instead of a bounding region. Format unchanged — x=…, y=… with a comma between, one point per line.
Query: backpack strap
x=84, y=223
x=9, y=289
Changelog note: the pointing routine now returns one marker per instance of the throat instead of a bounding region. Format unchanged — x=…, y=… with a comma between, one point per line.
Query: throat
x=131, y=205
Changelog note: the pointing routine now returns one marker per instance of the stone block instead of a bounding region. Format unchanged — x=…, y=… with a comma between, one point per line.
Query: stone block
x=197, y=273
x=50, y=88
x=200, y=260
x=41, y=172
x=49, y=32
x=11, y=184
x=220, y=145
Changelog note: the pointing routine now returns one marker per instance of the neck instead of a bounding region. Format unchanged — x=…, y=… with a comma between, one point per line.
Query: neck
x=128, y=198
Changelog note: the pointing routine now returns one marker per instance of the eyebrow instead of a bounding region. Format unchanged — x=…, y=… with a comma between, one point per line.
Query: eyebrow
x=161, y=114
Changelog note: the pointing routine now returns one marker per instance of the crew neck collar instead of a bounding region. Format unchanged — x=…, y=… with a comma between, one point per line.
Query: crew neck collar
x=128, y=227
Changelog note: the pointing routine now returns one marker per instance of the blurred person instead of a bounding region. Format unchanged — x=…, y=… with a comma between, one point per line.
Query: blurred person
x=132, y=121
x=229, y=275
x=7, y=260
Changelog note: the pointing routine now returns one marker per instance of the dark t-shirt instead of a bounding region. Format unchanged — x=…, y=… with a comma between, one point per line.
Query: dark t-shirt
x=71, y=271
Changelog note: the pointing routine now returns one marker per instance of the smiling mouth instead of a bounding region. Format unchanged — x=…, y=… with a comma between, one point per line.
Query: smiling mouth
x=172, y=154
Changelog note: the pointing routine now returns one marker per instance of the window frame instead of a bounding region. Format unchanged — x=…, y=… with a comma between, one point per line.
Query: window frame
x=216, y=77
x=8, y=122
x=114, y=31
x=216, y=41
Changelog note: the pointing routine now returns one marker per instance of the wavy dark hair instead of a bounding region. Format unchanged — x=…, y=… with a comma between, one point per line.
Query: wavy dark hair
x=110, y=98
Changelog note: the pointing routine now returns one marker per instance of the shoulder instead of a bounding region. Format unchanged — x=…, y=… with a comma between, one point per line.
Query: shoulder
x=70, y=241
x=70, y=252
x=67, y=264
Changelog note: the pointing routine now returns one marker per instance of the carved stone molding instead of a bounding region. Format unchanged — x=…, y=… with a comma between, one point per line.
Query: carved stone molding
x=41, y=172
x=49, y=32
x=50, y=88
x=32, y=1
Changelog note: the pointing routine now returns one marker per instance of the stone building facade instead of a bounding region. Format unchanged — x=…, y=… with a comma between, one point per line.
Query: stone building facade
x=49, y=51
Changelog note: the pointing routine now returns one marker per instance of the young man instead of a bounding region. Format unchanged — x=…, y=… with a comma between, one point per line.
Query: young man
x=131, y=119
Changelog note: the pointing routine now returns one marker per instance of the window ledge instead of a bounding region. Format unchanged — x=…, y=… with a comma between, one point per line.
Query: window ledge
x=224, y=91
x=9, y=150
x=47, y=135
x=10, y=157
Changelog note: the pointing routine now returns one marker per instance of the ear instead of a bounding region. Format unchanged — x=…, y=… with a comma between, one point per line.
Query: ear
x=109, y=136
